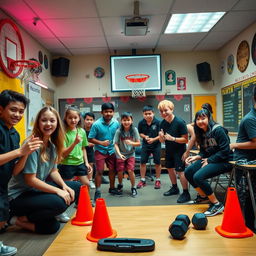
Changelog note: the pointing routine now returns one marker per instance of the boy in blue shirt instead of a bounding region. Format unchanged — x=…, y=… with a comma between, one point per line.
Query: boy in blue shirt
x=102, y=134
x=12, y=107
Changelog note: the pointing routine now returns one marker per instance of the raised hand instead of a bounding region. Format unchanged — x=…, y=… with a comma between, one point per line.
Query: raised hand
x=78, y=139
x=30, y=145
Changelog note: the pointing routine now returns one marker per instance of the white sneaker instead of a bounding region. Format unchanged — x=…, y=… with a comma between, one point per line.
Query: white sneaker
x=7, y=250
x=92, y=185
x=62, y=218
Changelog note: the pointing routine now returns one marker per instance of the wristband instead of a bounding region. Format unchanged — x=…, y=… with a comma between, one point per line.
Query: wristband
x=174, y=139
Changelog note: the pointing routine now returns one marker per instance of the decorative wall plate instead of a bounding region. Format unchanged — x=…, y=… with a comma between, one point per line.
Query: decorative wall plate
x=45, y=61
x=99, y=72
x=230, y=63
x=40, y=57
x=243, y=56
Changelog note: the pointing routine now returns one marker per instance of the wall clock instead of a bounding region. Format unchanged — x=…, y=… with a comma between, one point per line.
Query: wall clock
x=243, y=56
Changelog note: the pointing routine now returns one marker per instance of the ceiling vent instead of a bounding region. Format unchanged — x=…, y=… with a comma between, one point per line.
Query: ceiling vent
x=136, y=26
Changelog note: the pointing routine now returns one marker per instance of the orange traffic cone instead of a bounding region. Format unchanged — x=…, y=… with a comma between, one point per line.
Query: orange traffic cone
x=101, y=227
x=84, y=213
x=233, y=224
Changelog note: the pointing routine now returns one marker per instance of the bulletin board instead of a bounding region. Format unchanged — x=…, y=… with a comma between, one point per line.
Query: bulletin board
x=15, y=85
x=182, y=105
x=237, y=101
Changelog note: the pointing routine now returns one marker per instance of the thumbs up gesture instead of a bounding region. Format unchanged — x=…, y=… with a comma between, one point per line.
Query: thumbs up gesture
x=78, y=138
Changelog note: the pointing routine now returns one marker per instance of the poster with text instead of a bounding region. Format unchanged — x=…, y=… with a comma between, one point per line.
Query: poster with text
x=34, y=92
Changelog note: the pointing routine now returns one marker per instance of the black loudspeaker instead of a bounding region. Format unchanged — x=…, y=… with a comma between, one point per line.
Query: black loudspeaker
x=204, y=72
x=60, y=67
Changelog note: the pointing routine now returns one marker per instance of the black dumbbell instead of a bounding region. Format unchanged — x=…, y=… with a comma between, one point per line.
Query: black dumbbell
x=199, y=221
x=179, y=227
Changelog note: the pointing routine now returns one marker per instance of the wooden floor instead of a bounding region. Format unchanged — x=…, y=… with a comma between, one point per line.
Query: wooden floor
x=152, y=222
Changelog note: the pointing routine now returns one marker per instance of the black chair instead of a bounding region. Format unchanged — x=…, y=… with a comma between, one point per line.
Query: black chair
x=149, y=174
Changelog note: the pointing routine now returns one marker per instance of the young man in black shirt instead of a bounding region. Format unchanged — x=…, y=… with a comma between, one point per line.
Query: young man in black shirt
x=148, y=129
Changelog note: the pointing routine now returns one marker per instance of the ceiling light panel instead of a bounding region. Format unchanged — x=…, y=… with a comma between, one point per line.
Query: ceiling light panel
x=192, y=22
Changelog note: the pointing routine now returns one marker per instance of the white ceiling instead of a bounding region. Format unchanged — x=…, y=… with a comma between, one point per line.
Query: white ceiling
x=79, y=27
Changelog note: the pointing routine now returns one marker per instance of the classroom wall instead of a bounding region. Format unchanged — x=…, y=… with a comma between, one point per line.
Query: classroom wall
x=236, y=76
x=231, y=48
x=82, y=83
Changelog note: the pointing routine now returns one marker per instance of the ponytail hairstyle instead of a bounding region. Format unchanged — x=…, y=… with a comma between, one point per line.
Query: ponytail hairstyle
x=57, y=137
x=126, y=115
x=207, y=106
x=200, y=134
x=67, y=112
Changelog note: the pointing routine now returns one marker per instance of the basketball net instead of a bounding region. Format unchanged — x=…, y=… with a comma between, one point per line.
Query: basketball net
x=137, y=84
x=30, y=74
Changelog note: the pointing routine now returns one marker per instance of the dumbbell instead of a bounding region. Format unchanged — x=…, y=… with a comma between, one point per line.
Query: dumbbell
x=199, y=221
x=179, y=227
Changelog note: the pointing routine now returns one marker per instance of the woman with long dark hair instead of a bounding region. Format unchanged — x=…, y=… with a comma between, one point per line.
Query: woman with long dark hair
x=212, y=160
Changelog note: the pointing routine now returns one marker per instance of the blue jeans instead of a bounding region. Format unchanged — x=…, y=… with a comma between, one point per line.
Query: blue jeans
x=197, y=176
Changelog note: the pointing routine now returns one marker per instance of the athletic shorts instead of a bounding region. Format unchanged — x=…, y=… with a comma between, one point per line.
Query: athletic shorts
x=68, y=172
x=145, y=153
x=101, y=159
x=174, y=161
x=125, y=165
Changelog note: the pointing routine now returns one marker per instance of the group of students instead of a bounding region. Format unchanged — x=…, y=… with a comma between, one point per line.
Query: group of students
x=41, y=171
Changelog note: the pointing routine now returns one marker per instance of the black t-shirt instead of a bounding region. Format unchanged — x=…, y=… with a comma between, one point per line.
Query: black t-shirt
x=9, y=141
x=176, y=128
x=151, y=130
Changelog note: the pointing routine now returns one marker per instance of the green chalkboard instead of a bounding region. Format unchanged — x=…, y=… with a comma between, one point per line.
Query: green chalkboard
x=232, y=107
x=237, y=102
x=182, y=105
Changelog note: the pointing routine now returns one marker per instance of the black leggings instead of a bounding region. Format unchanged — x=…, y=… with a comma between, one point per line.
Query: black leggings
x=41, y=208
x=198, y=176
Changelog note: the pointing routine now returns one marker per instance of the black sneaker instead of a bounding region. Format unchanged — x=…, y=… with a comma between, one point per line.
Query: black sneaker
x=184, y=197
x=200, y=200
x=97, y=195
x=3, y=229
x=114, y=191
x=120, y=188
x=214, y=209
x=104, y=180
x=172, y=191
x=134, y=192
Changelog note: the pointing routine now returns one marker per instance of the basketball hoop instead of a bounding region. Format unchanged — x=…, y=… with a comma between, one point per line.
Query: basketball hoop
x=137, y=78
x=31, y=71
x=12, y=64
x=137, y=84
x=136, y=93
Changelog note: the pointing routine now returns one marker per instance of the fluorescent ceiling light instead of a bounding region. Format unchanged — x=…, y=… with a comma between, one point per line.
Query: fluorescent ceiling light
x=192, y=22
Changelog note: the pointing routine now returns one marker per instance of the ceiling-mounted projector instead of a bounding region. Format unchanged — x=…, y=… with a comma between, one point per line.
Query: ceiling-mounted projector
x=136, y=26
